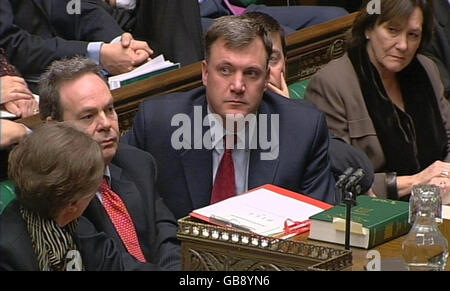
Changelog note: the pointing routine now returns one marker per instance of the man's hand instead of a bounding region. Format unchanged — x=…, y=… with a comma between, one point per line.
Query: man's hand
x=110, y=2
x=13, y=88
x=141, y=49
x=283, y=91
x=124, y=56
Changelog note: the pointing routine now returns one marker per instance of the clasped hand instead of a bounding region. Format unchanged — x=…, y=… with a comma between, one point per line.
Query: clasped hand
x=125, y=56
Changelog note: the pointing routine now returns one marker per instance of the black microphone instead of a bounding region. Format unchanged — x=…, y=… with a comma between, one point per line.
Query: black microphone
x=355, y=178
x=344, y=177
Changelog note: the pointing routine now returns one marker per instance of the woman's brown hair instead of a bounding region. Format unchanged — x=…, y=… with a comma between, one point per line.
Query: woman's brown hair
x=390, y=10
x=54, y=166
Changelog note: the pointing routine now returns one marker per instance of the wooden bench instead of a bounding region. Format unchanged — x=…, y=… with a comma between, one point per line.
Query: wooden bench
x=307, y=51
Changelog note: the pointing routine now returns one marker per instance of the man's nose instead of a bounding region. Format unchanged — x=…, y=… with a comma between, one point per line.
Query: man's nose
x=103, y=121
x=238, y=83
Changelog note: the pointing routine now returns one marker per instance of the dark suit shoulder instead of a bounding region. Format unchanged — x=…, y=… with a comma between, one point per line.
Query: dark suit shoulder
x=179, y=98
x=11, y=220
x=129, y=157
x=126, y=152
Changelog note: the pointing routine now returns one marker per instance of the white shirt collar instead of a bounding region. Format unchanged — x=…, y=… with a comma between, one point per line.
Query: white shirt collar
x=218, y=132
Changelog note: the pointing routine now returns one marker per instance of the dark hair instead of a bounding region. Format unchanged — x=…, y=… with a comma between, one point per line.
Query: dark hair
x=270, y=24
x=54, y=166
x=238, y=32
x=58, y=73
x=391, y=10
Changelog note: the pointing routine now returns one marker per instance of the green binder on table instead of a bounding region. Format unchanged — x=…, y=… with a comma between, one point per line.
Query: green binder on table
x=374, y=221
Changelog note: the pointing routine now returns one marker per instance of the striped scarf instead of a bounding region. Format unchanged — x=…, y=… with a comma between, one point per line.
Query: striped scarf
x=51, y=242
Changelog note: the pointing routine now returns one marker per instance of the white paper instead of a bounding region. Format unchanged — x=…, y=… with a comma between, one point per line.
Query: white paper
x=261, y=211
x=155, y=64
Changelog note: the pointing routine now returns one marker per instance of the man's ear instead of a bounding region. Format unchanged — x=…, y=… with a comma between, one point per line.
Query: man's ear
x=204, y=72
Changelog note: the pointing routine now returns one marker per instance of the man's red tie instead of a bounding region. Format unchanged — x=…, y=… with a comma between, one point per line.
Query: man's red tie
x=121, y=219
x=224, y=184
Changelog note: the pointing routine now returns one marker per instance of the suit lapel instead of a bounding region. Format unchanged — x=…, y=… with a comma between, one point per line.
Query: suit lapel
x=261, y=171
x=129, y=195
x=45, y=6
x=96, y=213
x=197, y=165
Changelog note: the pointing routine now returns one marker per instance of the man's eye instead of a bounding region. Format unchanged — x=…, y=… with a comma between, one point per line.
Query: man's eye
x=225, y=71
x=87, y=117
x=252, y=74
x=273, y=59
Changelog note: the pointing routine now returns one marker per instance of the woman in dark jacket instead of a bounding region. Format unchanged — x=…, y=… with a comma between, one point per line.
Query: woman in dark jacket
x=56, y=171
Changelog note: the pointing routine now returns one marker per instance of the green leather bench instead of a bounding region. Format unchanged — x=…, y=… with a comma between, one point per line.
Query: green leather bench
x=7, y=194
x=297, y=90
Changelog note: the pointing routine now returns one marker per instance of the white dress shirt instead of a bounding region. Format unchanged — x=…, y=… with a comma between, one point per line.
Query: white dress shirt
x=240, y=153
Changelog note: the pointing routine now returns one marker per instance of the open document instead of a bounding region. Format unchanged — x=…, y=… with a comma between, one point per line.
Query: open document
x=263, y=210
x=152, y=68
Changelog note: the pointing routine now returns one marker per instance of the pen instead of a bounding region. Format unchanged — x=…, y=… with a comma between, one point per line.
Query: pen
x=225, y=222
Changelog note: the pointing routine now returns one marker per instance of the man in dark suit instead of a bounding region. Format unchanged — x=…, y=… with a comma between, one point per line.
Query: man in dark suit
x=36, y=32
x=292, y=18
x=292, y=143
x=172, y=27
x=439, y=47
x=75, y=90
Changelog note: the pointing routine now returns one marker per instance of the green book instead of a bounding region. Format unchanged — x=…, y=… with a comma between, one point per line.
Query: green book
x=374, y=221
x=147, y=70
x=149, y=75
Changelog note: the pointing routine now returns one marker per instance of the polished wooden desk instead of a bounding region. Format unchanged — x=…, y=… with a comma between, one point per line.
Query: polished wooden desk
x=202, y=251
x=388, y=251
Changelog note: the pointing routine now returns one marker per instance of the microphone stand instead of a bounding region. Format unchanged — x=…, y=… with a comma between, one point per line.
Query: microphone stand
x=349, y=189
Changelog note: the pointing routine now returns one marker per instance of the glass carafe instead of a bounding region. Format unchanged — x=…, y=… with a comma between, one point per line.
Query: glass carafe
x=425, y=248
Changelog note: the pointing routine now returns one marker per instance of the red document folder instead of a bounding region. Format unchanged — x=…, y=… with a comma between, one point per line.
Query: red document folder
x=266, y=210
